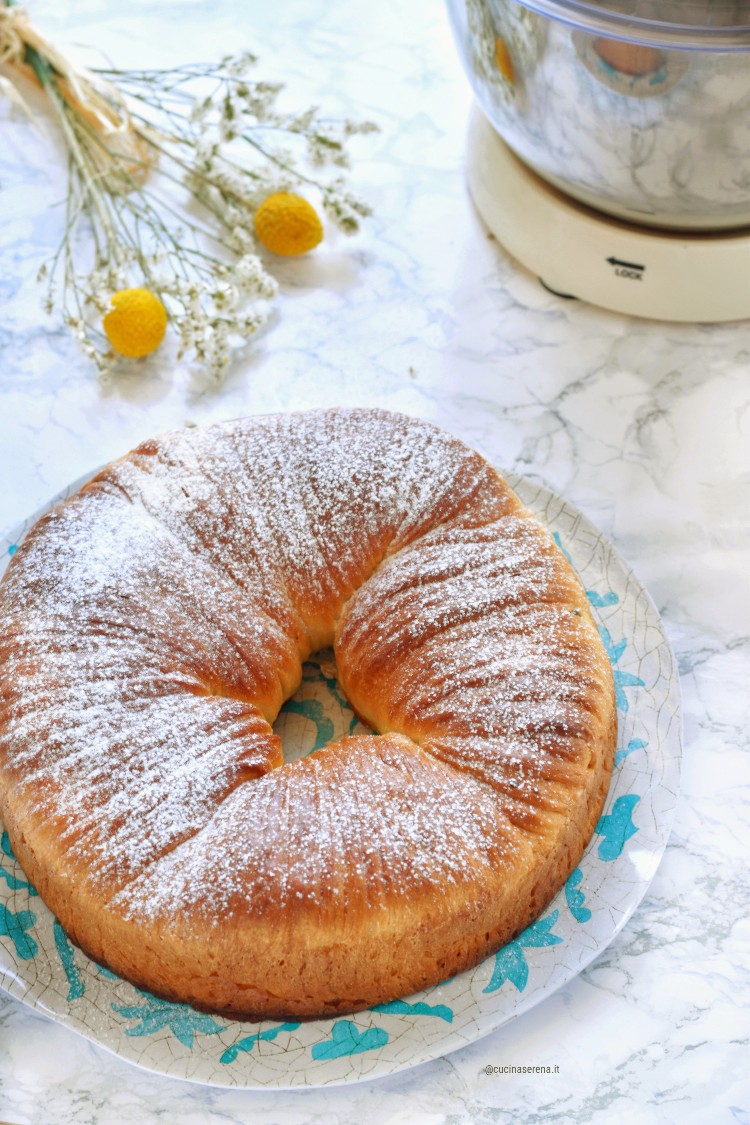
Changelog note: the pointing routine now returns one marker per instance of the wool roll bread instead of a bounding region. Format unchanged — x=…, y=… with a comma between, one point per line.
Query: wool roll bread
x=151, y=627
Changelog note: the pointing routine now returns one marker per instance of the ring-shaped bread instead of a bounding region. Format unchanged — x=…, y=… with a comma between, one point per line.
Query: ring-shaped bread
x=151, y=627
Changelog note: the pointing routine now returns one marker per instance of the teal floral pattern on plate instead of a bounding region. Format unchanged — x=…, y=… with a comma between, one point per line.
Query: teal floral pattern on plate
x=151, y=1015
x=617, y=827
x=251, y=1041
x=510, y=961
x=348, y=1039
x=15, y=926
x=576, y=899
x=41, y=967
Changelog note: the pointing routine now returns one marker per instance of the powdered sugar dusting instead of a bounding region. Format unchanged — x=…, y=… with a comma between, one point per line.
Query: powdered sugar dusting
x=317, y=498
x=474, y=632
x=361, y=824
x=153, y=625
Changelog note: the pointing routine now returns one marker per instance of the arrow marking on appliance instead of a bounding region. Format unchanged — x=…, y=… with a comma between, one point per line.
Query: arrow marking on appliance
x=628, y=265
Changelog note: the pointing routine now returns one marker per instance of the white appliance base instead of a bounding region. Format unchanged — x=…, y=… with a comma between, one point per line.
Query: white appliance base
x=578, y=252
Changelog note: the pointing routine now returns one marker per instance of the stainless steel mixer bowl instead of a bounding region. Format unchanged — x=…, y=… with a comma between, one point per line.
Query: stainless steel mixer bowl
x=638, y=108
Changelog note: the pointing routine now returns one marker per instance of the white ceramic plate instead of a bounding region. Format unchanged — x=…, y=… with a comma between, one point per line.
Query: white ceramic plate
x=39, y=966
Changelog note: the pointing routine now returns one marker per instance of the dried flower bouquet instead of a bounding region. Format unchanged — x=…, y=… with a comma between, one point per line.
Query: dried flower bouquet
x=168, y=169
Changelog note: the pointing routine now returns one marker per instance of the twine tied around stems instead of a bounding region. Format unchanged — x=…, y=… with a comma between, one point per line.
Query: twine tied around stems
x=123, y=154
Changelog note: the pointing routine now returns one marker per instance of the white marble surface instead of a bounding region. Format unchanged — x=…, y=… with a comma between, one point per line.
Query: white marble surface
x=644, y=426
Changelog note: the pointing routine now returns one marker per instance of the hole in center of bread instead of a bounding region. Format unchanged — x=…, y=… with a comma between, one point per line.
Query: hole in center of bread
x=318, y=712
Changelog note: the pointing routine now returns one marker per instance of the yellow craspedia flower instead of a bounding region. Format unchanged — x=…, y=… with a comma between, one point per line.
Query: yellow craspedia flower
x=136, y=324
x=287, y=224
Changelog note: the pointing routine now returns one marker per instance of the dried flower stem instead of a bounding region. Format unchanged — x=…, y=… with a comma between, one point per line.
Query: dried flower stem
x=117, y=124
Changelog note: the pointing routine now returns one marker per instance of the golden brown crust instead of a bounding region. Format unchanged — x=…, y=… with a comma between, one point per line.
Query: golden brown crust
x=152, y=626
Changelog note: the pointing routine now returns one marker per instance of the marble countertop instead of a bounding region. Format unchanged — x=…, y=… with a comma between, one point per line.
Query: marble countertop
x=644, y=426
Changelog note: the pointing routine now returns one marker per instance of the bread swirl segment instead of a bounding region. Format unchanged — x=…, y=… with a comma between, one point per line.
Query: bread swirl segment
x=301, y=508
x=366, y=871
x=479, y=645
x=390, y=862
x=128, y=714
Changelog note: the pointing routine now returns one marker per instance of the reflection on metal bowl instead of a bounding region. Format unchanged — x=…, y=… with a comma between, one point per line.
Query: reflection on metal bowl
x=642, y=119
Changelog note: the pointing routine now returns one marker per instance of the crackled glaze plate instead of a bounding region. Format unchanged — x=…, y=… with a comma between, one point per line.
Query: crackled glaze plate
x=39, y=966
